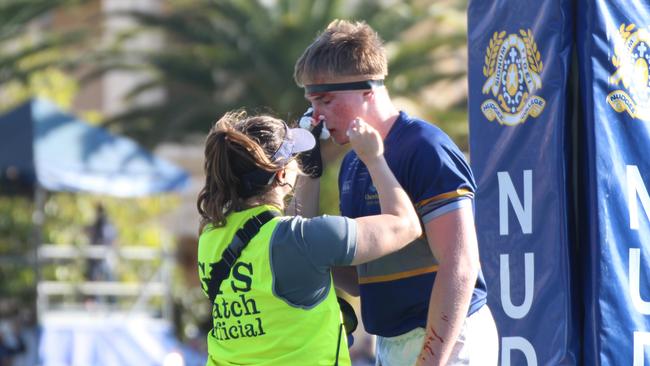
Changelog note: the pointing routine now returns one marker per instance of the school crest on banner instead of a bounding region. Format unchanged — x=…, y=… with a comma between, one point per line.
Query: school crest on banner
x=513, y=65
x=631, y=58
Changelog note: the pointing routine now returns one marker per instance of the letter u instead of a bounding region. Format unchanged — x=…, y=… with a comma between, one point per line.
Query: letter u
x=517, y=311
x=634, y=273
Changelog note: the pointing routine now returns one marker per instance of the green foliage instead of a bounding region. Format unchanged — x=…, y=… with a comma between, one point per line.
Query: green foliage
x=224, y=55
x=51, y=84
x=67, y=217
x=32, y=64
x=16, y=279
x=18, y=44
x=15, y=224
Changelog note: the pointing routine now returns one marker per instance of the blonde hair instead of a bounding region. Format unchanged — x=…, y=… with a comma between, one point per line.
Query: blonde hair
x=343, y=49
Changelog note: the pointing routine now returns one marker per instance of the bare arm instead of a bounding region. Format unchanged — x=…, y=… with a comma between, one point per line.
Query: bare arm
x=452, y=238
x=305, y=201
x=398, y=223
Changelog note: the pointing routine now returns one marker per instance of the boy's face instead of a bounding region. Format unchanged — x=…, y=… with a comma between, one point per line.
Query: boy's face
x=338, y=109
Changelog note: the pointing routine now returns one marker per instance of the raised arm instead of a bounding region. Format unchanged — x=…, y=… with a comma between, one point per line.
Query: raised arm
x=305, y=201
x=398, y=223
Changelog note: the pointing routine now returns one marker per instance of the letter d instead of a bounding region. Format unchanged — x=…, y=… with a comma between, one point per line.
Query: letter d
x=511, y=343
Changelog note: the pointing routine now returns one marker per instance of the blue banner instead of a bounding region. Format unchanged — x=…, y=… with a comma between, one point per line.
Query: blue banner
x=613, y=43
x=519, y=61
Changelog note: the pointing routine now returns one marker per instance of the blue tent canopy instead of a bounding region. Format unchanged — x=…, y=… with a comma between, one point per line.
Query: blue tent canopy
x=41, y=144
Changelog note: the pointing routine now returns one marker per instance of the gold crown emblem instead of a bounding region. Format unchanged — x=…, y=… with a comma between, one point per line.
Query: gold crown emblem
x=631, y=58
x=512, y=66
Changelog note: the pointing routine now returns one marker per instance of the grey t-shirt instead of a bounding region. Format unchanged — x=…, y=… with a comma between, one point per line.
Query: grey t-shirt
x=303, y=251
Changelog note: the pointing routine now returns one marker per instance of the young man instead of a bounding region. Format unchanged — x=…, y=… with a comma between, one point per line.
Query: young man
x=427, y=302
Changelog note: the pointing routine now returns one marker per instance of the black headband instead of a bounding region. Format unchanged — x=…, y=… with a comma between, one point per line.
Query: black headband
x=355, y=85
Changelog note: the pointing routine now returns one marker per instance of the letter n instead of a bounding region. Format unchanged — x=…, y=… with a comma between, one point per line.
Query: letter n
x=507, y=193
x=636, y=188
x=517, y=311
x=508, y=344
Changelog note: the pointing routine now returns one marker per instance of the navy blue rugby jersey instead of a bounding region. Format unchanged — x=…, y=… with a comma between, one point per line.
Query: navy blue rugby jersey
x=395, y=289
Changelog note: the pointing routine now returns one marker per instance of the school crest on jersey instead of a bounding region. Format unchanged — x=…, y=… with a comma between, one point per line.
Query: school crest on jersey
x=513, y=65
x=631, y=58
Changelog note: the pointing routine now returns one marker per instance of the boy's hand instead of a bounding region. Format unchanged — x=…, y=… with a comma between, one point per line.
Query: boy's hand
x=366, y=141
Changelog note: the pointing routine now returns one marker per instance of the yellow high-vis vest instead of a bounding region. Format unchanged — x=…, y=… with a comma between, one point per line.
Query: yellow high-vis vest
x=252, y=326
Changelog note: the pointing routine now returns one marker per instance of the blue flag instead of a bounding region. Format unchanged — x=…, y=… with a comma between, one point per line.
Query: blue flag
x=520, y=56
x=613, y=43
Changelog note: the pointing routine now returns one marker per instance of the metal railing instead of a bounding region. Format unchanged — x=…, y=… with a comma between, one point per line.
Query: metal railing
x=140, y=292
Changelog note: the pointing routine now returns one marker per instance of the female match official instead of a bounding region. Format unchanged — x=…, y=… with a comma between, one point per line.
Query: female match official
x=268, y=275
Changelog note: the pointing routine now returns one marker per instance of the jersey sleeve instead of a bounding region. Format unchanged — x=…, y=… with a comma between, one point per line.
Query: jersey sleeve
x=439, y=179
x=324, y=241
x=302, y=253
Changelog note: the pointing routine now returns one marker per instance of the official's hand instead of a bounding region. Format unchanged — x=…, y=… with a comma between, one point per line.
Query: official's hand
x=366, y=141
x=311, y=161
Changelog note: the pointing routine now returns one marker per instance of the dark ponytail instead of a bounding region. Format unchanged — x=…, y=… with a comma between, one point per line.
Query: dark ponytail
x=237, y=165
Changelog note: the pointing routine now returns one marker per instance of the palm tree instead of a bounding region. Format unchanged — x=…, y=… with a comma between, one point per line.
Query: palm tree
x=228, y=54
x=15, y=19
